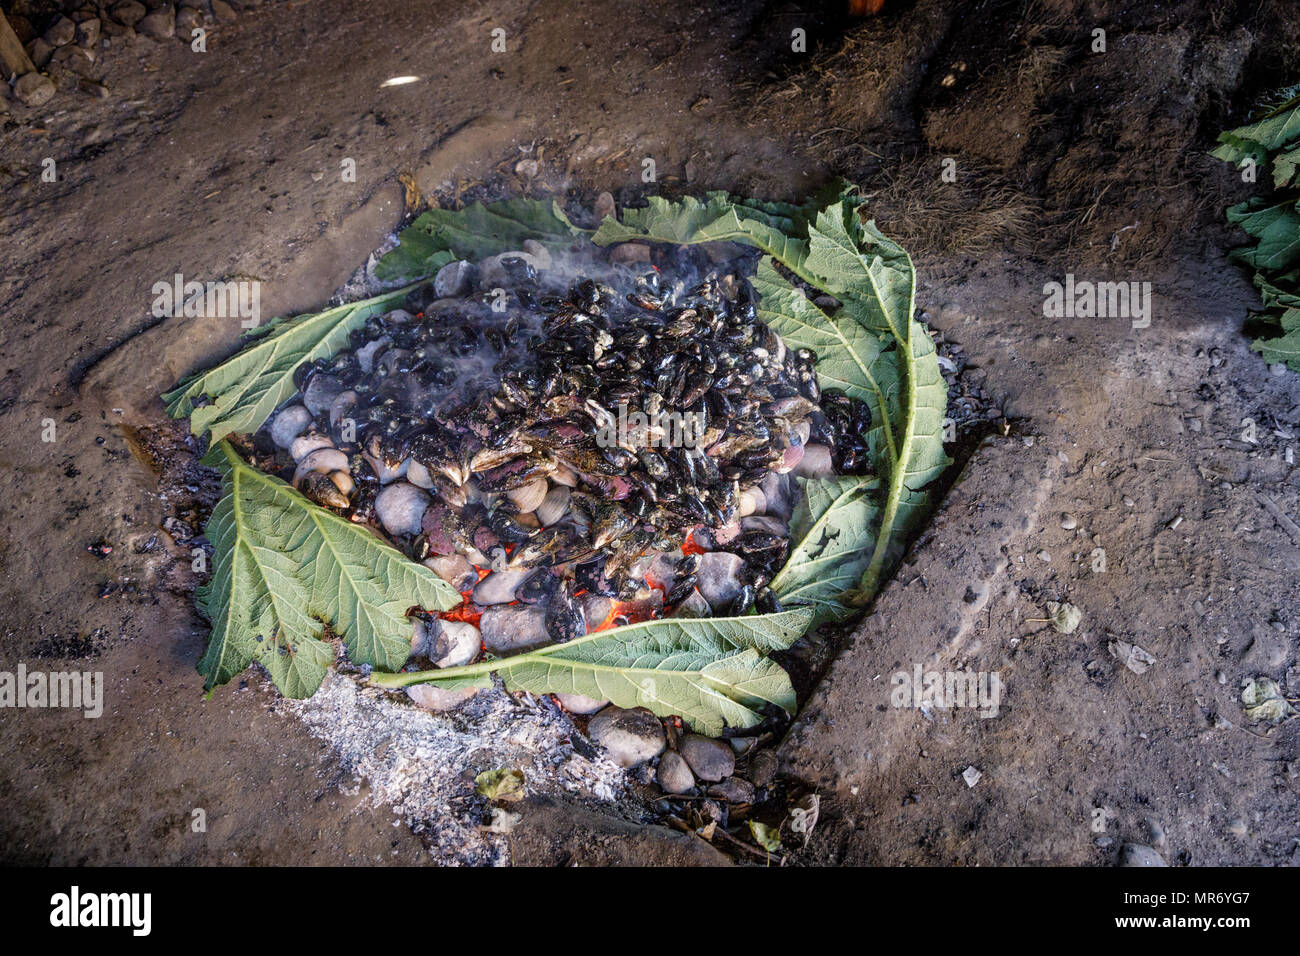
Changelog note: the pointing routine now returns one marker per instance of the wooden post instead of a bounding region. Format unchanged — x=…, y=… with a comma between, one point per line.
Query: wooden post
x=14, y=60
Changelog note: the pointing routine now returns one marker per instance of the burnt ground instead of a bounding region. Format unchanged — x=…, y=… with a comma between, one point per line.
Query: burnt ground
x=225, y=164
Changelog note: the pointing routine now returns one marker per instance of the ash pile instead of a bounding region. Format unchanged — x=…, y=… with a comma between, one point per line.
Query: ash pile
x=572, y=445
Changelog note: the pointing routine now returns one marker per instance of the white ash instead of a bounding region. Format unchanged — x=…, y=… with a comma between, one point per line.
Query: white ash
x=423, y=765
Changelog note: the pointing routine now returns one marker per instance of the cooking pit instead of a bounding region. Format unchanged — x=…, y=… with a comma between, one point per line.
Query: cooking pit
x=623, y=469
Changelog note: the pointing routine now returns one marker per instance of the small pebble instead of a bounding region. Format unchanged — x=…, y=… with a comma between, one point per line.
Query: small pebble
x=630, y=736
x=1069, y=522
x=674, y=774
x=400, y=507
x=712, y=760
x=577, y=704
x=1135, y=854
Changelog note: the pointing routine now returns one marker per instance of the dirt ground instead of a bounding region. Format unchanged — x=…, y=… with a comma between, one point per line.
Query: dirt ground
x=226, y=164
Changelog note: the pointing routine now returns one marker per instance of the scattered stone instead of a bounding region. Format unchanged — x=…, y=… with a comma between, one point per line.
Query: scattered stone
x=223, y=11
x=1044, y=556
x=604, y=207
x=1069, y=522
x=505, y=270
x=288, y=424
x=719, y=578
x=400, y=506
x=455, y=569
x=596, y=608
x=454, y=279
x=762, y=769
x=733, y=790
x=88, y=31
x=539, y=252
x=630, y=254
x=453, y=643
x=418, y=475
x=421, y=642
x=161, y=25
x=73, y=59
x=34, y=89
x=187, y=20
x=693, y=605
x=1236, y=828
x=971, y=775
x=321, y=392
x=435, y=698
x=629, y=736
x=129, y=12
x=39, y=51
x=1135, y=854
x=778, y=495
x=61, y=32
x=769, y=523
x=816, y=462
x=499, y=587
x=1158, y=836
x=712, y=760
x=674, y=774
x=577, y=704
x=514, y=627
x=304, y=445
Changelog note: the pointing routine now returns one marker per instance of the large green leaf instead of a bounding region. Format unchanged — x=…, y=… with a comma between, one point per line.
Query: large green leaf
x=283, y=568
x=779, y=229
x=834, y=530
x=875, y=281
x=1277, y=227
x=475, y=232
x=708, y=671
x=850, y=357
x=1272, y=222
x=239, y=395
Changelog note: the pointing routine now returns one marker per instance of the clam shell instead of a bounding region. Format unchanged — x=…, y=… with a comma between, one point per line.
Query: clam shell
x=529, y=496
x=553, y=506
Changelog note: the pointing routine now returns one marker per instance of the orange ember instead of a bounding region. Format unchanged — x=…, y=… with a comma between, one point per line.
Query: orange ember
x=465, y=611
x=690, y=547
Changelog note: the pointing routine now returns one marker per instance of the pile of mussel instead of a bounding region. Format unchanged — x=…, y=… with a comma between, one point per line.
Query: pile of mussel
x=569, y=457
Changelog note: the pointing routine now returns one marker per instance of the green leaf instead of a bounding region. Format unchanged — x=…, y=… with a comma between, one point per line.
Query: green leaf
x=242, y=391
x=1276, y=226
x=849, y=356
x=475, y=232
x=1284, y=168
x=506, y=785
x=875, y=280
x=769, y=838
x=1279, y=126
x=283, y=568
x=1284, y=348
x=708, y=671
x=778, y=229
x=833, y=528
